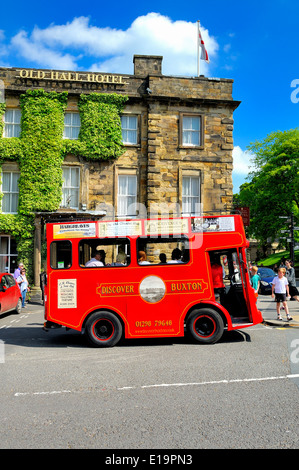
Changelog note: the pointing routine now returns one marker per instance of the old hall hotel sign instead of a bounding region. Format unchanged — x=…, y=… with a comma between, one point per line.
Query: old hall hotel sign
x=72, y=76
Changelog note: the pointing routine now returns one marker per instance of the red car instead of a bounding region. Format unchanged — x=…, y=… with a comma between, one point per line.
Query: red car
x=10, y=294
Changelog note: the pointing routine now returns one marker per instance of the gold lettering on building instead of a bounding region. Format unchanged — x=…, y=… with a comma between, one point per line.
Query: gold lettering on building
x=72, y=76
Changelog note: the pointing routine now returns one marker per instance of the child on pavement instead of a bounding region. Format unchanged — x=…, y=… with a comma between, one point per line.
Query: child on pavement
x=255, y=280
x=280, y=286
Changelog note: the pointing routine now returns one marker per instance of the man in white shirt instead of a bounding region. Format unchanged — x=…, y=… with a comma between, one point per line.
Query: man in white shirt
x=280, y=287
x=95, y=261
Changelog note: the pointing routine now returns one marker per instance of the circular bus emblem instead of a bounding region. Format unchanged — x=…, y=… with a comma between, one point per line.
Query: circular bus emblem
x=152, y=289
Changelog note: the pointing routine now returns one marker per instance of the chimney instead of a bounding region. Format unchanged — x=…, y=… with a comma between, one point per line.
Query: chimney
x=145, y=65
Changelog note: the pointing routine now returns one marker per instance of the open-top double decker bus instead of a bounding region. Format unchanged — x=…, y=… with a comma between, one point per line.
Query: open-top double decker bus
x=148, y=278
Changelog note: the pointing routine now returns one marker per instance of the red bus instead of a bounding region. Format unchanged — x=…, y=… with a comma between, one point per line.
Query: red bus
x=149, y=278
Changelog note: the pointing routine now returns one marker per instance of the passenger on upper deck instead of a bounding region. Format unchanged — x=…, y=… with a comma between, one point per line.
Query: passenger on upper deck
x=95, y=261
x=142, y=258
x=176, y=256
x=120, y=260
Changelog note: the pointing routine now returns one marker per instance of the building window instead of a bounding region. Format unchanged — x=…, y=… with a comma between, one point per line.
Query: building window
x=70, y=187
x=10, y=190
x=129, y=128
x=191, y=195
x=8, y=254
x=72, y=124
x=12, y=123
x=127, y=195
x=191, y=131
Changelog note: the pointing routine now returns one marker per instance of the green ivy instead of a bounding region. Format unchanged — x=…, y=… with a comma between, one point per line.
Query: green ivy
x=40, y=151
x=100, y=135
x=2, y=110
x=40, y=180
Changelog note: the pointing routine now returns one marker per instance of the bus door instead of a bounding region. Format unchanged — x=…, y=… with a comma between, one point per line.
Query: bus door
x=162, y=264
x=238, y=289
x=233, y=297
x=245, y=281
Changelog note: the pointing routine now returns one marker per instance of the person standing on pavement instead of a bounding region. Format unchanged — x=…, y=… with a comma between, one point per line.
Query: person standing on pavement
x=290, y=274
x=255, y=280
x=280, y=290
x=23, y=285
x=18, y=270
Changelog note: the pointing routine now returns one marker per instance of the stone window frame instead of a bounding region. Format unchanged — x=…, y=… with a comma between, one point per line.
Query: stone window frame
x=202, y=127
x=9, y=168
x=76, y=188
x=8, y=260
x=71, y=126
x=125, y=171
x=195, y=173
x=16, y=126
x=76, y=162
x=138, y=116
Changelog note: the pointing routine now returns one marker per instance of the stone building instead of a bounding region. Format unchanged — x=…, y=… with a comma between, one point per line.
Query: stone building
x=177, y=134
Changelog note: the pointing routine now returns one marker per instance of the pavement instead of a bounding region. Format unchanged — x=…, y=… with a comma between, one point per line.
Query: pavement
x=35, y=307
x=267, y=305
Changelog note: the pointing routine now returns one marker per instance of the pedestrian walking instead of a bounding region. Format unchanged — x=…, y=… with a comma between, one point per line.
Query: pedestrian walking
x=23, y=285
x=280, y=290
x=290, y=275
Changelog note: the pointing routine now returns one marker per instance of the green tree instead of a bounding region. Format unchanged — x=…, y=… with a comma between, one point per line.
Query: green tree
x=273, y=187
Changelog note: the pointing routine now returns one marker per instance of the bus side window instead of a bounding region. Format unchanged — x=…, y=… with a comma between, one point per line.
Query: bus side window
x=163, y=250
x=61, y=254
x=112, y=252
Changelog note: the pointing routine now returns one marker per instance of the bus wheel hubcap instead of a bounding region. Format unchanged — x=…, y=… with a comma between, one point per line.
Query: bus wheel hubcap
x=103, y=329
x=204, y=326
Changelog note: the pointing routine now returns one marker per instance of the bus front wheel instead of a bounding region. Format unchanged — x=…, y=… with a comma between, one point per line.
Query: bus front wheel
x=103, y=329
x=205, y=325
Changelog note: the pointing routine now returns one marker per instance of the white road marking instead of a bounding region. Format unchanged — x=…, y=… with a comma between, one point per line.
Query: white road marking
x=186, y=384
x=213, y=382
x=19, y=394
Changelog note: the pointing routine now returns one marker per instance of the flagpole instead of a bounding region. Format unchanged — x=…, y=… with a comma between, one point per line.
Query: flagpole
x=198, y=58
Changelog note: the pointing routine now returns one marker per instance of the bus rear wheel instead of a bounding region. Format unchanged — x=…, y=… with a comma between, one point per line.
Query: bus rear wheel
x=205, y=325
x=103, y=329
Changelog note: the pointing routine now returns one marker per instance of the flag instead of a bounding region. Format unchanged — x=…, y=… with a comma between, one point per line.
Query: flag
x=201, y=44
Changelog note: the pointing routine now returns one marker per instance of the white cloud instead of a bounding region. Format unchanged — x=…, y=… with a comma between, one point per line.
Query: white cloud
x=107, y=49
x=35, y=52
x=242, y=164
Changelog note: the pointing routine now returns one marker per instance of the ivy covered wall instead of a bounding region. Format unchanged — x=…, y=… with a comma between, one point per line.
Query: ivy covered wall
x=41, y=149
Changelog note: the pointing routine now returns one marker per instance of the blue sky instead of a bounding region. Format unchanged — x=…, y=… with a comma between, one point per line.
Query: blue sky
x=255, y=43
